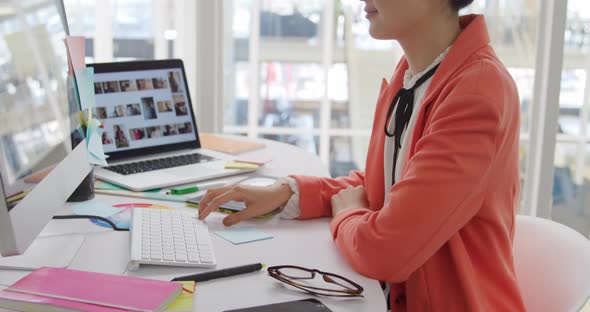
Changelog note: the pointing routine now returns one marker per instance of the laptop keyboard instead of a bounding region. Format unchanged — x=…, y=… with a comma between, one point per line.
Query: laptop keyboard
x=162, y=163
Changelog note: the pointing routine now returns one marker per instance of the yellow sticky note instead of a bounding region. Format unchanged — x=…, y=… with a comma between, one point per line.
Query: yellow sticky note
x=184, y=301
x=240, y=166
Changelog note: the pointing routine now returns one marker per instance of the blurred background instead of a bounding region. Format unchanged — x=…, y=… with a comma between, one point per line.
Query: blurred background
x=306, y=72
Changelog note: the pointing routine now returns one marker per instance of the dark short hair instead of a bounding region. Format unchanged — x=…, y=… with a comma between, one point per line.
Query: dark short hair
x=459, y=4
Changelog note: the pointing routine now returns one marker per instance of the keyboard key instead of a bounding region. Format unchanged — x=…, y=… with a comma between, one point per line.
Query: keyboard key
x=206, y=260
x=156, y=256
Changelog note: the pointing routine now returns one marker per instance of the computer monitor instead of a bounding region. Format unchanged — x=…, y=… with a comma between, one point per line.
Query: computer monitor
x=39, y=167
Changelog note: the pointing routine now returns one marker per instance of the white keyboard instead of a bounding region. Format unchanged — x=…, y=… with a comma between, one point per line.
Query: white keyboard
x=169, y=237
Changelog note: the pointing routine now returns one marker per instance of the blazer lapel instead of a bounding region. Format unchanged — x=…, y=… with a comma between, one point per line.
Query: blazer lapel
x=473, y=37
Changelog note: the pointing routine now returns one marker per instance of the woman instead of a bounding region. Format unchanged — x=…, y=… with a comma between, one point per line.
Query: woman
x=120, y=138
x=173, y=82
x=433, y=212
x=106, y=139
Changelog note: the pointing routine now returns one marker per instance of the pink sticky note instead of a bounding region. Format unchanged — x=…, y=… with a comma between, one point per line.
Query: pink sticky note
x=76, y=53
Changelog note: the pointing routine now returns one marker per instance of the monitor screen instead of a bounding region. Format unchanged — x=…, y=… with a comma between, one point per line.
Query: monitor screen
x=142, y=109
x=35, y=115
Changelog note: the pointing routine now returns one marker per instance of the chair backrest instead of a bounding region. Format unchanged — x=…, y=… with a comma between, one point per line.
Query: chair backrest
x=552, y=263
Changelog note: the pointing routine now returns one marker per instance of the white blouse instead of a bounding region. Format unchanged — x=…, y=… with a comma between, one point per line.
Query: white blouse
x=409, y=81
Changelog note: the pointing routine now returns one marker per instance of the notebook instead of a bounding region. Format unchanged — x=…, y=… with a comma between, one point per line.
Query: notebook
x=230, y=164
x=227, y=145
x=18, y=301
x=74, y=290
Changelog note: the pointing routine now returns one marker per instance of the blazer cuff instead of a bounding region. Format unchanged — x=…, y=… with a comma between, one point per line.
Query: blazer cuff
x=310, y=200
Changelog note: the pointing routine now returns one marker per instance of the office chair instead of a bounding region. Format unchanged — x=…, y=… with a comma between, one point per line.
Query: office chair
x=552, y=263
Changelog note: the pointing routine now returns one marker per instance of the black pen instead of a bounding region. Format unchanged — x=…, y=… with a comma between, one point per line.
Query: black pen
x=201, y=277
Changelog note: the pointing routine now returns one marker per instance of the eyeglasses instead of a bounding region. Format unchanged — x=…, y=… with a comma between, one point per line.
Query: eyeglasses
x=296, y=276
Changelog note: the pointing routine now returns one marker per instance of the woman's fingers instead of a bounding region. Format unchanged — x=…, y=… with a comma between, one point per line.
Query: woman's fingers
x=258, y=200
x=234, y=193
x=249, y=212
x=209, y=195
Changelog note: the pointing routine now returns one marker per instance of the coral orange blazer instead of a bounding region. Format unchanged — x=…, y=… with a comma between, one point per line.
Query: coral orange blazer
x=442, y=237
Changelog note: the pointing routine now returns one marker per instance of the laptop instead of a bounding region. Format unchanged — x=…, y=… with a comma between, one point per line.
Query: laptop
x=150, y=134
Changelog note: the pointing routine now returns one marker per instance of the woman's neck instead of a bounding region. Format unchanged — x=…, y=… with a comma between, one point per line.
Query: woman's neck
x=428, y=40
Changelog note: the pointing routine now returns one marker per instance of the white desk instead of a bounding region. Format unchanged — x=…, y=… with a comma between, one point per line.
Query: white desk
x=303, y=243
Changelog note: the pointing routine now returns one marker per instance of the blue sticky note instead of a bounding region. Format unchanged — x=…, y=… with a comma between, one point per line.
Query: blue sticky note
x=96, y=153
x=241, y=235
x=97, y=160
x=85, y=83
x=94, y=144
x=95, y=208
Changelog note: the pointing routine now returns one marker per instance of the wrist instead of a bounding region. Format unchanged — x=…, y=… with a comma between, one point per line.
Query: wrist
x=284, y=192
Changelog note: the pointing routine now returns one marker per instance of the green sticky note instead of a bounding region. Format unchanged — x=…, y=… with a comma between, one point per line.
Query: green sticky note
x=102, y=185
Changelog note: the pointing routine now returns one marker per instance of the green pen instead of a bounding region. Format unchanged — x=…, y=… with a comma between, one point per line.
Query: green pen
x=196, y=188
x=187, y=190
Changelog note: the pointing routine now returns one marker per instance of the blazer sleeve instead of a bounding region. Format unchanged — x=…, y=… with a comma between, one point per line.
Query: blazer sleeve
x=442, y=189
x=315, y=193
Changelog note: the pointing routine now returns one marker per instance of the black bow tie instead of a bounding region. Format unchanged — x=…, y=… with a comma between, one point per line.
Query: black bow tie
x=405, y=105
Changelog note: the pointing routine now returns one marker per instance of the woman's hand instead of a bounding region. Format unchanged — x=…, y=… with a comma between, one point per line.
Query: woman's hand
x=259, y=200
x=349, y=198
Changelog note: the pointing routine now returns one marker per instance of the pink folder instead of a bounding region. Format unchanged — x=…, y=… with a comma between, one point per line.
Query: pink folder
x=106, y=290
x=25, y=302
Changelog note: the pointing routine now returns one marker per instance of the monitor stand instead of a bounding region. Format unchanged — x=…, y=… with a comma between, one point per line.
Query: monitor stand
x=55, y=251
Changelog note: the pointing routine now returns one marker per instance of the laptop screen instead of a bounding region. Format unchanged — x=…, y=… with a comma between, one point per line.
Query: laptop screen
x=143, y=109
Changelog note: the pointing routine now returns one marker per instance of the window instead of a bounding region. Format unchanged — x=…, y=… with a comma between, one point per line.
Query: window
x=285, y=62
x=124, y=29
x=82, y=21
x=133, y=29
x=571, y=183
x=297, y=64
x=308, y=73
